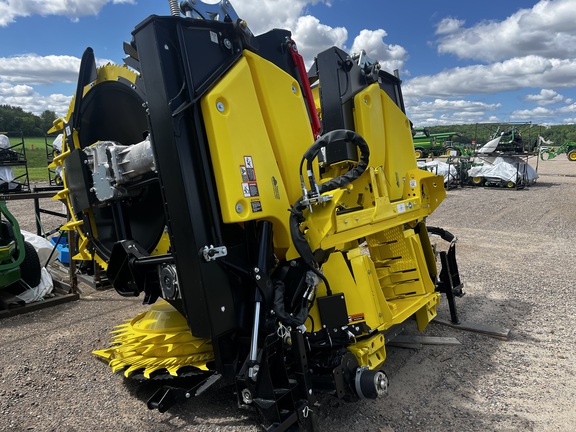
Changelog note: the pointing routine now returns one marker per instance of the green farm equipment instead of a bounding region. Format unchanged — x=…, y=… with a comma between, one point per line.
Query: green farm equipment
x=435, y=144
x=569, y=147
x=19, y=260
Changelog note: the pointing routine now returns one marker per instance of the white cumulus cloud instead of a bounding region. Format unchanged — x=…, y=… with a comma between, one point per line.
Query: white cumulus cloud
x=536, y=113
x=445, y=111
x=262, y=16
x=29, y=100
x=545, y=97
x=390, y=56
x=513, y=74
x=448, y=25
x=41, y=70
x=10, y=10
x=546, y=30
x=313, y=37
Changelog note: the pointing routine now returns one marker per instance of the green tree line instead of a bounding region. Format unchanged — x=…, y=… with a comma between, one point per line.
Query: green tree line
x=15, y=119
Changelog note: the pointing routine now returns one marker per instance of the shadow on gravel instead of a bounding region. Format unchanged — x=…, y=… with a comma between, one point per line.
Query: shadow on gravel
x=544, y=184
x=446, y=387
x=217, y=404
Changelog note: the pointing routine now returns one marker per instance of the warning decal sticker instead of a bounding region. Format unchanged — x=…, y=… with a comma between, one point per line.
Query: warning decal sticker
x=256, y=206
x=248, y=174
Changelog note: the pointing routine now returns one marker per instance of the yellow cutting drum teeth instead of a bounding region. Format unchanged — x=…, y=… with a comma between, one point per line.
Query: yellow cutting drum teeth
x=155, y=342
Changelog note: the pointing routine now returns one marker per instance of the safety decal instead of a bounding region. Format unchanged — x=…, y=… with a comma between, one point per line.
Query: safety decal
x=413, y=183
x=250, y=189
x=253, y=189
x=249, y=164
x=256, y=206
x=246, y=190
x=401, y=208
x=249, y=184
x=356, y=317
x=244, y=173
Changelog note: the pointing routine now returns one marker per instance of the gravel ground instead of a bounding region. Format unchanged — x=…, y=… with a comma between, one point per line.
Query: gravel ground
x=516, y=256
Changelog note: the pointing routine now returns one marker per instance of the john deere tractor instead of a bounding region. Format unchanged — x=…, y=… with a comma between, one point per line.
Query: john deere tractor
x=277, y=249
x=435, y=144
x=549, y=152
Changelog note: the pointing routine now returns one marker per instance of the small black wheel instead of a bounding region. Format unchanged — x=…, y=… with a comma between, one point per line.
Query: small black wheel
x=572, y=155
x=419, y=153
x=30, y=268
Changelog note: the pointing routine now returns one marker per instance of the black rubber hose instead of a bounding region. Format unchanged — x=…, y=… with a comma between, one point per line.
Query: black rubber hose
x=326, y=140
x=444, y=235
x=296, y=216
x=288, y=319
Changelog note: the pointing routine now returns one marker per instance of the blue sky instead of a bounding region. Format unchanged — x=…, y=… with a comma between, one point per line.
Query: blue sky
x=460, y=61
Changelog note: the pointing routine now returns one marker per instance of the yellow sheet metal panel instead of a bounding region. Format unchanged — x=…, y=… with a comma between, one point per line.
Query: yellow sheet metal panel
x=361, y=299
x=427, y=312
x=368, y=119
x=404, y=307
x=367, y=279
x=399, y=148
x=286, y=119
x=370, y=352
x=250, y=185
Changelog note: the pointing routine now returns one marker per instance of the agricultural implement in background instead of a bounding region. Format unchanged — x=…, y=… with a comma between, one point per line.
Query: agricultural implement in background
x=549, y=152
x=179, y=178
x=435, y=144
x=19, y=263
x=511, y=141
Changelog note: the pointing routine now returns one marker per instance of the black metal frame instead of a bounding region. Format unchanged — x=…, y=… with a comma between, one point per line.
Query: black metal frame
x=15, y=157
x=449, y=281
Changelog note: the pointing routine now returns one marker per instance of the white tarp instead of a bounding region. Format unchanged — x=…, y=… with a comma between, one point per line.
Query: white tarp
x=6, y=173
x=43, y=248
x=4, y=142
x=57, y=143
x=505, y=168
x=440, y=168
x=38, y=293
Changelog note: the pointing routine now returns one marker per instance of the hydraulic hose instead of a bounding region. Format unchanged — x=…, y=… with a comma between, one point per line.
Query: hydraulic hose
x=296, y=216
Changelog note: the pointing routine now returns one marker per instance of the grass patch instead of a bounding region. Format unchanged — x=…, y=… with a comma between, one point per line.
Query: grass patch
x=37, y=162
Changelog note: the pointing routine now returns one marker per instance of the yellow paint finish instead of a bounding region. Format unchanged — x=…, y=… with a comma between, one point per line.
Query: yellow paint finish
x=368, y=115
x=156, y=340
x=285, y=117
x=427, y=312
x=408, y=306
x=428, y=190
x=370, y=352
x=366, y=278
x=361, y=298
x=163, y=245
x=399, y=148
x=236, y=129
